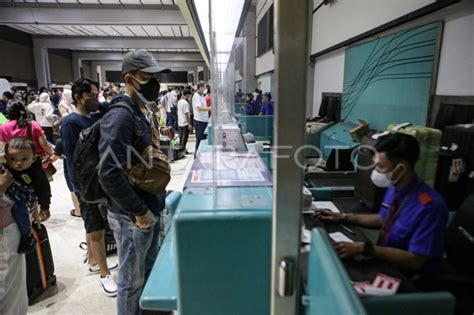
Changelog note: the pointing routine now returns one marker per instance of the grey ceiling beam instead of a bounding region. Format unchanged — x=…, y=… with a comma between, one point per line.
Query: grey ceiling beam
x=88, y=15
x=59, y=42
x=118, y=56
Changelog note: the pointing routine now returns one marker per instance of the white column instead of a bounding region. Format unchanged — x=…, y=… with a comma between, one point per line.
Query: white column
x=43, y=74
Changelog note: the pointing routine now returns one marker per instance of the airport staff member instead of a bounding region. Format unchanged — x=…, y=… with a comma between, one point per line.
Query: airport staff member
x=413, y=216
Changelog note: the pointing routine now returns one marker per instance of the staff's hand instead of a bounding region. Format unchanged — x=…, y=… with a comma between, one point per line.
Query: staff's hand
x=345, y=250
x=329, y=216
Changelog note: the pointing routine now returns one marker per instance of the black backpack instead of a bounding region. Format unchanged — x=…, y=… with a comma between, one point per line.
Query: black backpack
x=86, y=161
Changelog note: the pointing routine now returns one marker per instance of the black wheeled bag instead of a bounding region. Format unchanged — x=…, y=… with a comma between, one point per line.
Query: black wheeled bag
x=39, y=265
x=179, y=152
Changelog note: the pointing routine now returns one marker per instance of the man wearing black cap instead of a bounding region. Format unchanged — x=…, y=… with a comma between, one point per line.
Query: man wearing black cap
x=133, y=215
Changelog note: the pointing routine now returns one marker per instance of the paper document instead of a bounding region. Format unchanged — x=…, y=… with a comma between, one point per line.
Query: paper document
x=305, y=235
x=325, y=205
x=382, y=285
x=340, y=237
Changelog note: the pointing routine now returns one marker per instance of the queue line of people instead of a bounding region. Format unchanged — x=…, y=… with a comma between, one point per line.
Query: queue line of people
x=132, y=214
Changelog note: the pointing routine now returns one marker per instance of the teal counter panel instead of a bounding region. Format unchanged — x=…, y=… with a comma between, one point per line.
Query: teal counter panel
x=223, y=262
x=160, y=290
x=330, y=289
x=199, y=199
x=260, y=126
x=222, y=241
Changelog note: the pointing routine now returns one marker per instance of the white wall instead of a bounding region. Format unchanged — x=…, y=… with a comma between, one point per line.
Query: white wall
x=456, y=67
x=344, y=19
x=264, y=83
x=266, y=62
x=328, y=77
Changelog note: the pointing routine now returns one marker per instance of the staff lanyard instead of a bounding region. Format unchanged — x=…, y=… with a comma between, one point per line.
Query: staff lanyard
x=393, y=215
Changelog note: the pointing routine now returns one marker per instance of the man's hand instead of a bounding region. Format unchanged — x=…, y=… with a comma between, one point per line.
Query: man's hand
x=328, y=215
x=144, y=222
x=345, y=250
x=6, y=179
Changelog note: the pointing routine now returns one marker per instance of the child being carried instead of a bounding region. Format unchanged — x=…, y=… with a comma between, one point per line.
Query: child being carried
x=26, y=189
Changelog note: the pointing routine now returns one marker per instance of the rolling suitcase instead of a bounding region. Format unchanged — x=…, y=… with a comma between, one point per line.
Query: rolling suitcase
x=39, y=265
x=430, y=142
x=165, y=147
x=178, y=152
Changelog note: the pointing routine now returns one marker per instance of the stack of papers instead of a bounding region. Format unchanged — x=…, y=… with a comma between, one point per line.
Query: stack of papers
x=340, y=237
x=325, y=205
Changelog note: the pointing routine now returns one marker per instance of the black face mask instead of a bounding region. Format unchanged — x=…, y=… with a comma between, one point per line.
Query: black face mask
x=149, y=91
x=91, y=105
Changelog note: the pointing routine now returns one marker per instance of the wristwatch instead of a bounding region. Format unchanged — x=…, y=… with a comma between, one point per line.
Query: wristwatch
x=368, y=249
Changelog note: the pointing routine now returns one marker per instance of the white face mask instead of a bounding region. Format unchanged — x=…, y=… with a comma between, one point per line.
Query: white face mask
x=205, y=91
x=384, y=180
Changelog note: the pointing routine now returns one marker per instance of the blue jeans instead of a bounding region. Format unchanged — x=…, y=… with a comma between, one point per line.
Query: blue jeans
x=137, y=251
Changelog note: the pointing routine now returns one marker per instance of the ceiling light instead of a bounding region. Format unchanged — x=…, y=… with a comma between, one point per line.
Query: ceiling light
x=224, y=26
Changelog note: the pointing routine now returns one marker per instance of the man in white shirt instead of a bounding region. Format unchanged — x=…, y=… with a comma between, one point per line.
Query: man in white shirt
x=44, y=114
x=171, y=108
x=184, y=120
x=201, y=114
x=162, y=109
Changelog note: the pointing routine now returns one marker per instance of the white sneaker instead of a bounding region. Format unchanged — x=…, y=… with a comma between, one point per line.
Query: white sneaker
x=108, y=285
x=94, y=270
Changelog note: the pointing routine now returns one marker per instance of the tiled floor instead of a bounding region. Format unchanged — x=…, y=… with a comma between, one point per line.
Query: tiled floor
x=77, y=293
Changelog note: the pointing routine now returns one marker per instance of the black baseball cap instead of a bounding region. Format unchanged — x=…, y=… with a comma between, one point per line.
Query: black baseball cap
x=142, y=60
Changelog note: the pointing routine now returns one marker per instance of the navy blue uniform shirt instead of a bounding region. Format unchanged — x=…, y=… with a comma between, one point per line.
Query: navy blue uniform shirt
x=421, y=225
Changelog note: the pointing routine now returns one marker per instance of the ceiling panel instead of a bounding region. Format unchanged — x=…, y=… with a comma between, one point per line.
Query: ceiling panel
x=177, y=31
x=53, y=30
x=170, y=2
x=130, y=1
x=69, y=30
x=151, y=30
x=67, y=1
x=108, y=30
x=110, y=1
x=185, y=30
x=80, y=30
x=89, y=1
x=91, y=30
x=138, y=30
x=166, y=31
x=122, y=30
x=28, y=29
x=151, y=2
x=46, y=1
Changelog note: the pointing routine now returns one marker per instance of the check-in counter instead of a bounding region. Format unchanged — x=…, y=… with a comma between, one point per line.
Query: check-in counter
x=330, y=289
x=216, y=259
